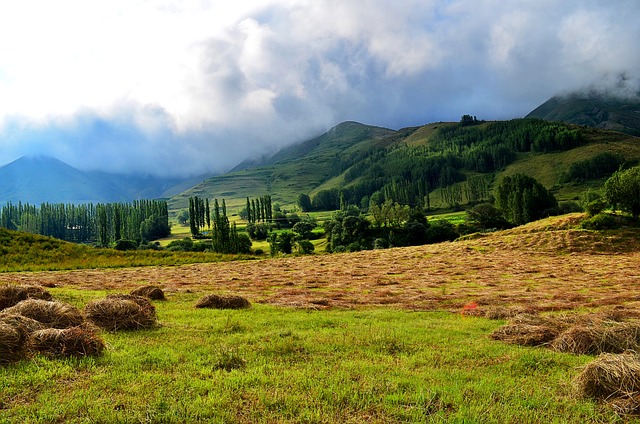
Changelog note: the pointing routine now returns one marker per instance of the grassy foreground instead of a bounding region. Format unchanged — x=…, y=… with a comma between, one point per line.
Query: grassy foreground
x=270, y=364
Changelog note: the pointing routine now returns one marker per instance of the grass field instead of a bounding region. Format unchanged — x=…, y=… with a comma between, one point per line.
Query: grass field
x=268, y=364
x=375, y=336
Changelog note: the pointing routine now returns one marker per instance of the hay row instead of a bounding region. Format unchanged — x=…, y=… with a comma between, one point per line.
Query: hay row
x=223, y=302
x=579, y=334
x=11, y=294
x=121, y=312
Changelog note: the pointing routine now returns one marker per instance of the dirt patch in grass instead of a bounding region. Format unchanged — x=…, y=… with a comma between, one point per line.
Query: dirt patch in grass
x=532, y=269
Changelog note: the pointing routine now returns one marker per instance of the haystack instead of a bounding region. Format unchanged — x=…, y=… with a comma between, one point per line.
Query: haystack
x=77, y=341
x=11, y=344
x=525, y=334
x=21, y=323
x=11, y=294
x=223, y=302
x=605, y=337
x=121, y=312
x=51, y=314
x=150, y=292
x=611, y=376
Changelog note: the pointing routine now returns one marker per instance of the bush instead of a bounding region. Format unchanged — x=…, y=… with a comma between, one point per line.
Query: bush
x=305, y=247
x=569, y=207
x=441, y=230
x=125, y=245
x=487, y=216
x=601, y=221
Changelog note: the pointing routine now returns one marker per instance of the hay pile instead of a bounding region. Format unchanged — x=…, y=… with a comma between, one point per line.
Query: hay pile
x=11, y=295
x=150, y=292
x=11, y=344
x=121, y=312
x=50, y=313
x=82, y=340
x=590, y=334
x=614, y=378
x=223, y=302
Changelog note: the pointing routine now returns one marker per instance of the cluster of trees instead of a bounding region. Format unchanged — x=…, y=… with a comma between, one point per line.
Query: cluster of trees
x=224, y=235
x=199, y=215
x=103, y=224
x=407, y=175
x=599, y=166
x=258, y=210
x=393, y=225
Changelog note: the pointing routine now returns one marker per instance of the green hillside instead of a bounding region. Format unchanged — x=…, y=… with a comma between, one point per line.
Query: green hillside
x=436, y=165
x=594, y=110
x=293, y=170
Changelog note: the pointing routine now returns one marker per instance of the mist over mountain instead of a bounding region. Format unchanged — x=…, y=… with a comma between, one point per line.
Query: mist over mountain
x=37, y=179
x=594, y=109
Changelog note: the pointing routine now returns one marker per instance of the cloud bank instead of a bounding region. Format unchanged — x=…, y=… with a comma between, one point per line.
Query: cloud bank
x=182, y=87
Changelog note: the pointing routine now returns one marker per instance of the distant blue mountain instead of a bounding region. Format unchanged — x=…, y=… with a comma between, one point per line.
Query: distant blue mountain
x=38, y=179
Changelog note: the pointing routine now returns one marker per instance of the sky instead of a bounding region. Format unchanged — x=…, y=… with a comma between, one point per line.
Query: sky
x=183, y=87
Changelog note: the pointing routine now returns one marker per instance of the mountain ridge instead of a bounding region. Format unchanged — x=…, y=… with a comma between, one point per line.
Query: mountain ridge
x=37, y=179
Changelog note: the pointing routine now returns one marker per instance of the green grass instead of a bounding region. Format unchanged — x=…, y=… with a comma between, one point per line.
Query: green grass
x=269, y=365
x=30, y=252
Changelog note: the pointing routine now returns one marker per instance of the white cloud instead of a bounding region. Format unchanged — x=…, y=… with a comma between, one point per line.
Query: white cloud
x=216, y=81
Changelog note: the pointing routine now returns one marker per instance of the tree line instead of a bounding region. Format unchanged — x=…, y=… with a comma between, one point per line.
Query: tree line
x=102, y=224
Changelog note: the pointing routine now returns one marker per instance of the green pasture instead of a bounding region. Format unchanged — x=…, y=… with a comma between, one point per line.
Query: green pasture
x=274, y=365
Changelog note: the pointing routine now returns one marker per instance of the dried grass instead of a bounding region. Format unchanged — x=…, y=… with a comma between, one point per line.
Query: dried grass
x=525, y=334
x=610, y=376
x=11, y=344
x=11, y=294
x=21, y=323
x=223, y=302
x=121, y=312
x=150, y=292
x=51, y=314
x=77, y=341
x=602, y=337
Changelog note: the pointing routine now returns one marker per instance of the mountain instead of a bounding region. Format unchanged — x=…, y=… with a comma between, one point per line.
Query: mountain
x=593, y=109
x=38, y=179
x=291, y=171
x=443, y=162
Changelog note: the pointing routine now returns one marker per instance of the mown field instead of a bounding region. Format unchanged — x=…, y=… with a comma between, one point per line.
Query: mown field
x=398, y=335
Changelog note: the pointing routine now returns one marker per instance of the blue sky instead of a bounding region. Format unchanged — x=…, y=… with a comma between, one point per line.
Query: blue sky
x=188, y=86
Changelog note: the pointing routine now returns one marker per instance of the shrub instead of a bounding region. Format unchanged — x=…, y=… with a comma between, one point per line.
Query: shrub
x=125, y=245
x=305, y=247
x=441, y=230
x=601, y=221
x=487, y=216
